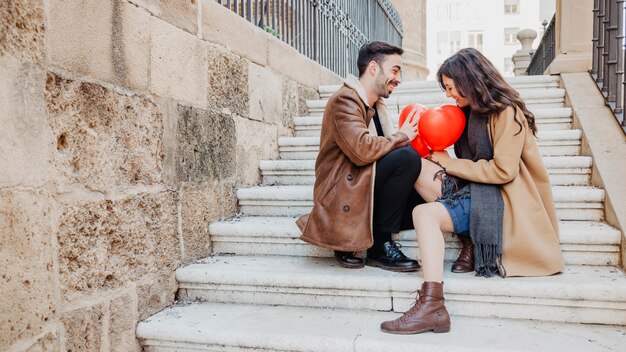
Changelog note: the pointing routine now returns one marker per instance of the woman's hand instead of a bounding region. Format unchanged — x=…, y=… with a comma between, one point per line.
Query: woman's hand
x=440, y=157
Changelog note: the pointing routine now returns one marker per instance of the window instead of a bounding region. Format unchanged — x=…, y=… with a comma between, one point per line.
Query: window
x=510, y=35
x=448, y=43
x=449, y=11
x=475, y=40
x=508, y=66
x=511, y=7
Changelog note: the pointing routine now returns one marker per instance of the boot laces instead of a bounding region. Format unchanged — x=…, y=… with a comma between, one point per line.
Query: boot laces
x=414, y=307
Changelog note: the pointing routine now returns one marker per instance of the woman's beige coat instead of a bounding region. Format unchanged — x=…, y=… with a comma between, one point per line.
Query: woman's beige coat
x=530, y=232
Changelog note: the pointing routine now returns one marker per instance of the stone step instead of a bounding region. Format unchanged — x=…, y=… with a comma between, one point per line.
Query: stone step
x=413, y=87
x=572, y=202
x=582, y=242
x=241, y=327
x=551, y=143
x=581, y=294
x=534, y=98
x=566, y=170
x=546, y=119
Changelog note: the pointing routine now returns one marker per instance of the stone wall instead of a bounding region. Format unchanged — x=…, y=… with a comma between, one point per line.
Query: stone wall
x=127, y=126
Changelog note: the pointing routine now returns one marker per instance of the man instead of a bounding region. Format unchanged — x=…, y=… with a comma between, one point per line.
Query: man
x=365, y=169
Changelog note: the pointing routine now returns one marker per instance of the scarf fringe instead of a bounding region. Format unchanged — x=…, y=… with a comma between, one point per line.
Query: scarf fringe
x=486, y=258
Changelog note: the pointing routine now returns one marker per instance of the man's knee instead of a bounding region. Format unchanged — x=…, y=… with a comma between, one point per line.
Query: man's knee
x=408, y=158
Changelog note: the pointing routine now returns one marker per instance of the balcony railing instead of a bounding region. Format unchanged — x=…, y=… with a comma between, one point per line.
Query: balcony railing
x=608, y=54
x=544, y=55
x=327, y=31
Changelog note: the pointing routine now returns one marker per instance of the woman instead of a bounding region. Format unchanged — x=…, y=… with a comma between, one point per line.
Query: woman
x=497, y=191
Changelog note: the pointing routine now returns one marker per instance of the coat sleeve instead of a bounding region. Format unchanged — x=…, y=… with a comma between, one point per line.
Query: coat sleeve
x=353, y=136
x=508, y=143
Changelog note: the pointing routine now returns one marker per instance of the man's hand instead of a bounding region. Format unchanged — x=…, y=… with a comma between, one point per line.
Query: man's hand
x=410, y=126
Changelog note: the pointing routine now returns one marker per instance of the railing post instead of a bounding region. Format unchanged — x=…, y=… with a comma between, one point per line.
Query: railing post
x=521, y=59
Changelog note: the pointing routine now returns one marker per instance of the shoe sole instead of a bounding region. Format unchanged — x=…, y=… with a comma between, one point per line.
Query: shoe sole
x=436, y=330
x=350, y=266
x=376, y=264
x=461, y=271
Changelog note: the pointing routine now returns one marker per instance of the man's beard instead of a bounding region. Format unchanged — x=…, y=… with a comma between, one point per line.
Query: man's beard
x=382, y=83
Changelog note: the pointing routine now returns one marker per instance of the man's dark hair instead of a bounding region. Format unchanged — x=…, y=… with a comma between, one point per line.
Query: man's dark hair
x=375, y=51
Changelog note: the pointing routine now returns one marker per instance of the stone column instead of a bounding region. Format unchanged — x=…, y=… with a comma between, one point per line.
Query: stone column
x=413, y=15
x=521, y=59
x=574, y=31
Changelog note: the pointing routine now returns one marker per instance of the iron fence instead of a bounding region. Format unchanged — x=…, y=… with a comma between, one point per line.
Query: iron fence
x=327, y=31
x=544, y=55
x=608, y=54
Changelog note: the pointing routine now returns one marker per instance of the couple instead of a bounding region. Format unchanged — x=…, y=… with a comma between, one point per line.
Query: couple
x=369, y=183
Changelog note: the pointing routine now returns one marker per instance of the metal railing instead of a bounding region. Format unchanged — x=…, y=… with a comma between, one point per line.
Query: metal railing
x=608, y=54
x=544, y=55
x=327, y=31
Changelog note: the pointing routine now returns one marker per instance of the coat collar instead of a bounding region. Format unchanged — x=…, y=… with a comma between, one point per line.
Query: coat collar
x=353, y=82
x=388, y=129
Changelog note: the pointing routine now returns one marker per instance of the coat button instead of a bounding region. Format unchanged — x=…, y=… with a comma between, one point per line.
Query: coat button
x=346, y=208
x=350, y=177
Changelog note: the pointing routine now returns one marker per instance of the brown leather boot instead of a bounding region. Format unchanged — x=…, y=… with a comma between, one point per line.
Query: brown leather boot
x=428, y=313
x=465, y=262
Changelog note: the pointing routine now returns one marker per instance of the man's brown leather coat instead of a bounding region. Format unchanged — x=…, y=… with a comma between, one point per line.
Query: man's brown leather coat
x=341, y=218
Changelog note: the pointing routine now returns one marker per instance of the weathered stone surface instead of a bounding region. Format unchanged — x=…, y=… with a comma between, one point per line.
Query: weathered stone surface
x=306, y=93
x=222, y=26
x=181, y=13
x=155, y=292
x=206, y=145
x=228, y=81
x=48, y=343
x=255, y=141
x=179, y=66
x=106, y=244
x=122, y=322
x=84, y=328
x=266, y=98
x=283, y=58
x=22, y=29
x=105, y=141
x=201, y=204
x=26, y=141
x=111, y=44
x=27, y=287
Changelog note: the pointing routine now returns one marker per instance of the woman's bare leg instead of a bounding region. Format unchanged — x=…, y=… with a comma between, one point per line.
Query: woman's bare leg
x=427, y=185
x=430, y=219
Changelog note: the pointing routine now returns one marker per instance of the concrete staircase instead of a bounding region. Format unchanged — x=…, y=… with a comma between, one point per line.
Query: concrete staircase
x=264, y=289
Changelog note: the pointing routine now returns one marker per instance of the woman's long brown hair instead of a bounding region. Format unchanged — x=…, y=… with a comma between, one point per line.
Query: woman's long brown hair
x=477, y=80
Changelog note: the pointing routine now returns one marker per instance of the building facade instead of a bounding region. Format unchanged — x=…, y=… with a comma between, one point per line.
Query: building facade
x=487, y=25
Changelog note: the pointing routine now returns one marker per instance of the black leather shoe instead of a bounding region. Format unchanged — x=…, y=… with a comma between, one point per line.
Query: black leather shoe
x=392, y=259
x=348, y=260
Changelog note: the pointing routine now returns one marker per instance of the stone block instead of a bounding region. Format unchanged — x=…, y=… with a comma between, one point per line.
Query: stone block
x=294, y=103
x=122, y=322
x=201, y=204
x=107, y=244
x=26, y=141
x=181, y=13
x=206, y=145
x=222, y=26
x=105, y=141
x=307, y=93
x=84, y=328
x=266, y=100
x=255, y=141
x=179, y=66
x=22, y=29
x=48, y=343
x=27, y=286
x=228, y=81
x=155, y=292
x=111, y=44
x=288, y=61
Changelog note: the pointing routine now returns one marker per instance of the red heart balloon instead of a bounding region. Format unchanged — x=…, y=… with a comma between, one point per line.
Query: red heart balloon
x=441, y=127
x=417, y=143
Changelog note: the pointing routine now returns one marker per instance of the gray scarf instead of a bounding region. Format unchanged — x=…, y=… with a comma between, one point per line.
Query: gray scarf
x=487, y=206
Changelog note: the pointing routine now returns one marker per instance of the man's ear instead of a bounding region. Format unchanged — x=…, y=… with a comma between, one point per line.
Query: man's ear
x=373, y=67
